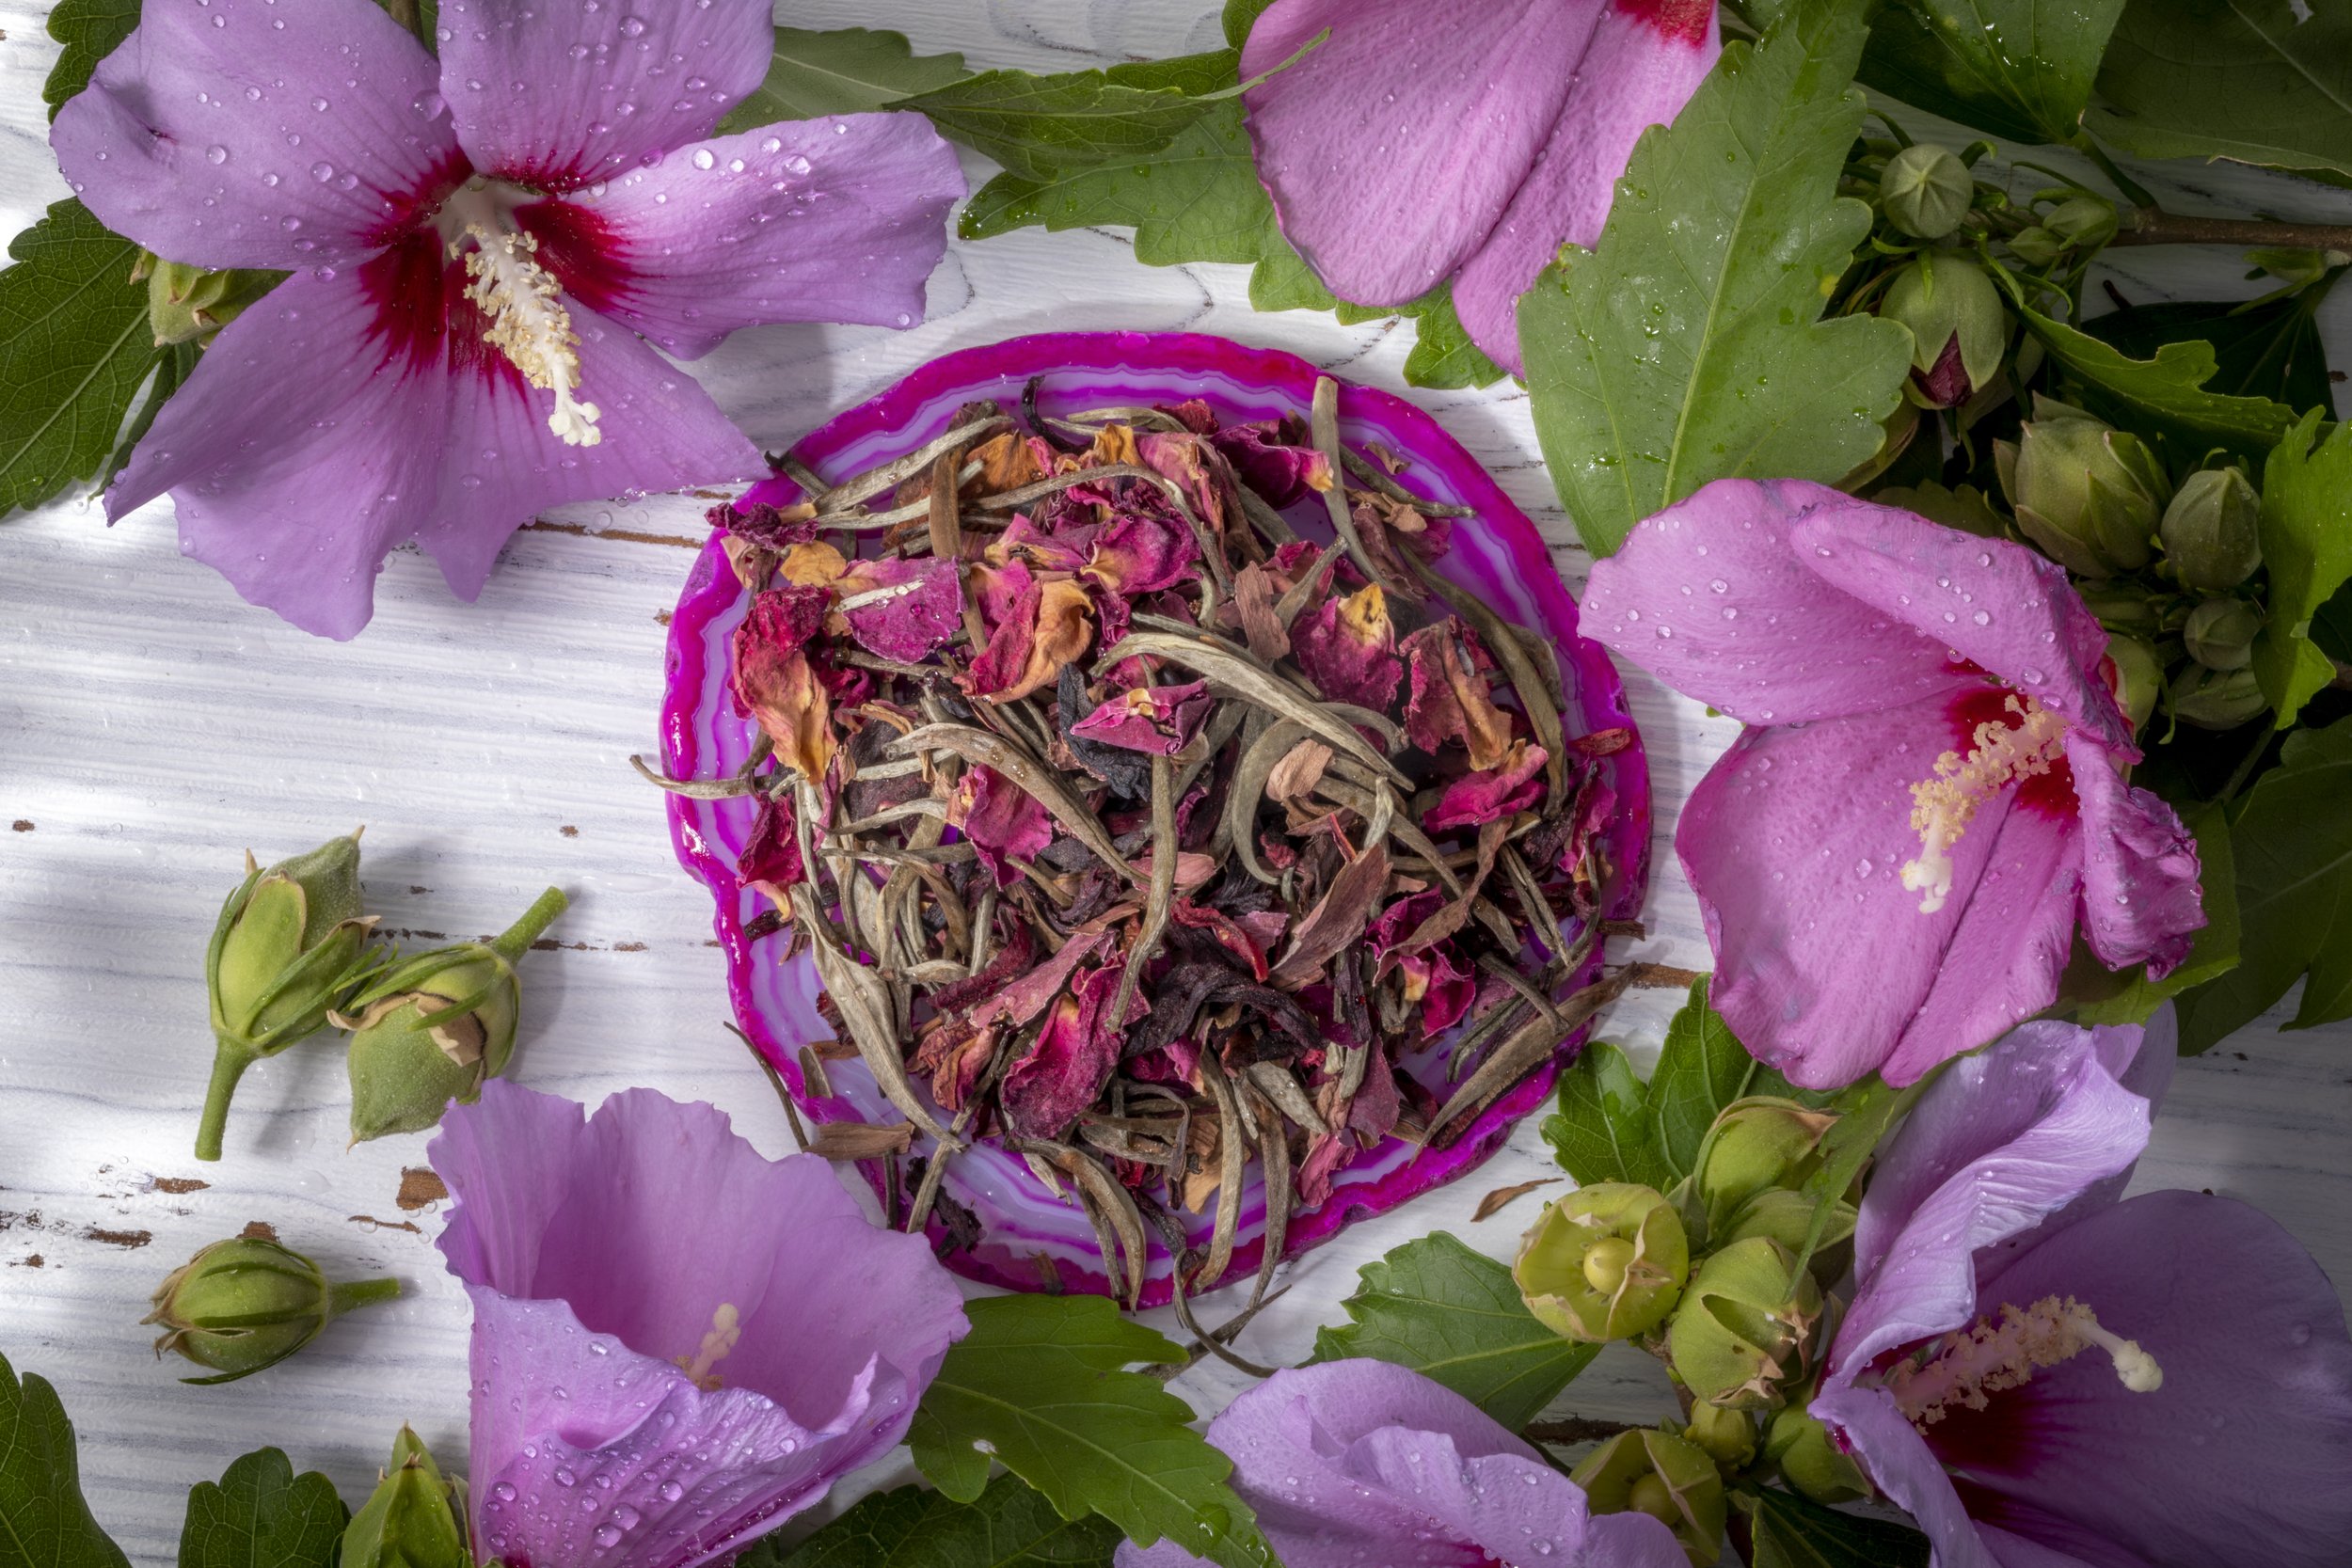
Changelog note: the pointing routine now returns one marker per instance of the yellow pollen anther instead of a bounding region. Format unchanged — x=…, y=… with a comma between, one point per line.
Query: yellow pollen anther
x=725, y=1331
x=528, y=323
x=1987, y=1358
x=1944, y=803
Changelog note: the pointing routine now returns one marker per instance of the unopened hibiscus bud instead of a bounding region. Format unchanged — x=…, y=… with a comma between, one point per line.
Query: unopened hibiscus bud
x=411, y=1520
x=2037, y=247
x=1800, y=1446
x=2220, y=633
x=2139, y=677
x=1784, y=1215
x=2213, y=531
x=248, y=1302
x=1745, y=1327
x=2123, y=606
x=1728, y=1437
x=1605, y=1263
x=2216, y=698
x=290, y=945
x=1659, y=1474
x=1958, y=326
x=188, y=305
x=1756, y=1145
x=2089, y=495
x=434, y=1027
x=1926, y=190
x=2083, y=222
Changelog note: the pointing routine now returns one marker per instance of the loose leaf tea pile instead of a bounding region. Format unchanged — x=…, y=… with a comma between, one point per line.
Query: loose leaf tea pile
x=1147, y=800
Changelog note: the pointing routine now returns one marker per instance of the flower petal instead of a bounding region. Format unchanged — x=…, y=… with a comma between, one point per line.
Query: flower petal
x=239, y=133
x=2141, y=898
x=2002, y=607
x=1644, y=62
x=1901, y=1465
x=371, y=385
x=1712, y=598
x=831, y=220
x=1794, y=842
x=2002, y=962
x=599, y=1457
x=1390, y=151
x=1967, y=1120
x=2074, y=1126
x=554, y=96
x=2249, y=1438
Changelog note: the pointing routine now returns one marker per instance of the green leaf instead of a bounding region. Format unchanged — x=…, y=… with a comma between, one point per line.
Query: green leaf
x=1240, y=16
x=847, y=71
x=1792, y=1532
x=1040, y=1382
x=91, y=30
x=1702, y=1068
x=1868, y=1110
x=2167, y=395
x=1455, y=1315
x=2272, y=350
x=43, y=1521
x=260, y=1515
x=75, y=350
x=1008, y=1527
x=2250, y=80
x=1687, y=345
x=1041, y=126
x=2293, y=848
x=2100, y=995
x=2020, y=70
x=2307, y=544
x=1601, y=1130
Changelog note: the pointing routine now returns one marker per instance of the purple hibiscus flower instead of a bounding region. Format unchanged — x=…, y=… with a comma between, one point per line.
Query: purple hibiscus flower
x=476, y=244
x=1354, y=1462
x=2048, y=1378
x=1465, y=138
x=677, y=1344
x=1894, y=857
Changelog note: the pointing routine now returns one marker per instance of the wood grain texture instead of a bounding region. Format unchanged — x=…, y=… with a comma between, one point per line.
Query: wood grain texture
x=152, y=727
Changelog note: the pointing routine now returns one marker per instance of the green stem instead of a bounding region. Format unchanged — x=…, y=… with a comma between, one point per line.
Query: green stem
x=359, y=1293
x=229, y=1065
x=2131, y=188
x=516, y=938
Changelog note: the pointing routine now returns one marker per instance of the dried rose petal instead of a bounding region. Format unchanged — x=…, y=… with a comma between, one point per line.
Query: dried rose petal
x=1064, y=1073
x=1348, y=647
x=1001, y=819
x=1514, y=785
x=1157, y=721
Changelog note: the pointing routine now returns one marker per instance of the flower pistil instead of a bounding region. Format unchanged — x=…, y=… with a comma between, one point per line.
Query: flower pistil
x=528, y=323
x=724, y=1332
x=1945, y=802
x=1988, y=1357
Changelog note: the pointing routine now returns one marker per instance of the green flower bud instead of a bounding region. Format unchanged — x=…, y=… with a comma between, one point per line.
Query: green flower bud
x=2139, y=677
x=2085, y=222
x=2213, y=531
x=411, y=1521
x=1605, y=1263
x=2123, y=606
x=2216, y=698
x=2089, y=495
x=1786, y=1215
x=2220, y=633
x=1757, y=1144
x=1744, y=1328
x=291, y=945
x=1800, y=1446
x=1926, y=191
x=432, y=1028
x=1959, y=327
x=1659, y=1474
x=2036, y=246
x=248, y=1302
x=1728, y=1437
x=2300, y=267
x=188, y=305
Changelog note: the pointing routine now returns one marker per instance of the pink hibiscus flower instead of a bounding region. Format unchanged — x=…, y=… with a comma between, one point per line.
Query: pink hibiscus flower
x=477, y=242
x=1928, y=798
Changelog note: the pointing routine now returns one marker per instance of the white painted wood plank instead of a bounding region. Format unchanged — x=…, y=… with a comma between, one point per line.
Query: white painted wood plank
x=152, y=727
